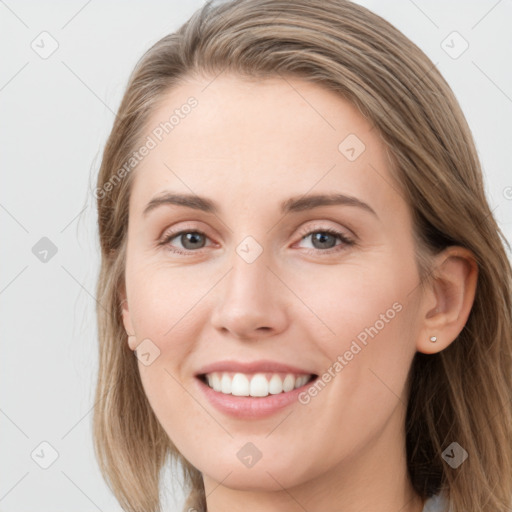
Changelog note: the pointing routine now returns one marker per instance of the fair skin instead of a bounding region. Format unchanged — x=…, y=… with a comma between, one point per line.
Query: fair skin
x=248, y=146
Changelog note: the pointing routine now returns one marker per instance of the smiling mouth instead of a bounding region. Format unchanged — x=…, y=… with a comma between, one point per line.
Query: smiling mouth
x=256, y=384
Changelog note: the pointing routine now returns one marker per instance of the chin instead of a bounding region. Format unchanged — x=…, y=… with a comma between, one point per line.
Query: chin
x=271, y=475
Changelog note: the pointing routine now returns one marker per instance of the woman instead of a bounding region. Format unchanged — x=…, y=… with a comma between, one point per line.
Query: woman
x=341, y=335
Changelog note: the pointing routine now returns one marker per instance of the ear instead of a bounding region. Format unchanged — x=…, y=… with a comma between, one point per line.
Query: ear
x=127, y=320
x=448, y=299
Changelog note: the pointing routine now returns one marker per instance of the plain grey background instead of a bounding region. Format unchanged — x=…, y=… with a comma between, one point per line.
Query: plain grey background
x=63, y=71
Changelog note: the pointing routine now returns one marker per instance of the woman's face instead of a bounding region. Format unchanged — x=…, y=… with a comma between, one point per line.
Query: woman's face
x=258, y=285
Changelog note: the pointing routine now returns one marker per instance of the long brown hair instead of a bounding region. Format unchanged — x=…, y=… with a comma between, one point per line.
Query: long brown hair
x=460, y=394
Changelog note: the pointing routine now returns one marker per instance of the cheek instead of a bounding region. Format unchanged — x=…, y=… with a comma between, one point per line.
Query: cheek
x=163, y=299
x=167, y=307
x=365, y=327
x=164, y=308
x=360, y=299
x=368, y=354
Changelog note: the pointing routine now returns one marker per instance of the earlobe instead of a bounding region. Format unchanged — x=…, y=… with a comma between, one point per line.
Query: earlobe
x=449, y=299
x=127, y=322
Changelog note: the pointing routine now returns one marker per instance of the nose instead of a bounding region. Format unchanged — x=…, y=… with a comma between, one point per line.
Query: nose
x=252, y=302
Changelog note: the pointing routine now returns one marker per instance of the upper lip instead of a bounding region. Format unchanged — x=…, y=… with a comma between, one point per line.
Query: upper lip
x=261, y=366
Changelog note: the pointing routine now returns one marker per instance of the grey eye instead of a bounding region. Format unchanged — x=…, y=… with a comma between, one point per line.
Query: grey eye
x=323, y=240
x=192, y=240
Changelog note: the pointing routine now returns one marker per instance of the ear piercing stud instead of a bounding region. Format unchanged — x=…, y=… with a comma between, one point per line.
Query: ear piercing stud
x=433, y=339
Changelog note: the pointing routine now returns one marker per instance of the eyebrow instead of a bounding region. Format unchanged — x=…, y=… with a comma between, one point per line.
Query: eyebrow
x=294, y=204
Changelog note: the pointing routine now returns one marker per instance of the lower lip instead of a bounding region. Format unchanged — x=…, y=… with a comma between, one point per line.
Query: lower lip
x=249, y=406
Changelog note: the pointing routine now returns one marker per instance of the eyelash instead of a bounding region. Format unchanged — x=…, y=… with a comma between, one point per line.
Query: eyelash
x=346, y=241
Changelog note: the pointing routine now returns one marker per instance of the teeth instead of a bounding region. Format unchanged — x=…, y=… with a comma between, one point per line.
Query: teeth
x=289, y=383
x=257, y=385
x=225, y=384
x=239, y=385
x=275, y=386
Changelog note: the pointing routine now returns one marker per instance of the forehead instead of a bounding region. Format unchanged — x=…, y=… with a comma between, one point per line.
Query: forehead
x=261, y=140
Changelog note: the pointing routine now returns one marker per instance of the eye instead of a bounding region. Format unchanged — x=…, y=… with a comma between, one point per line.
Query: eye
x=324, y=240
x=190, y=240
